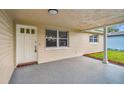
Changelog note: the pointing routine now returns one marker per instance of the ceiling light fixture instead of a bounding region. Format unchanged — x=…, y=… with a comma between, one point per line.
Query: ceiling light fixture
x=53, y=11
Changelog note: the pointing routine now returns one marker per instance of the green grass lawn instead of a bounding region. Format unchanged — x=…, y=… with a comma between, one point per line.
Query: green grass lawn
x=113, y=55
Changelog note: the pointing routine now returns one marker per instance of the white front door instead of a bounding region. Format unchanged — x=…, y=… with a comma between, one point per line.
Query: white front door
x=26, y=44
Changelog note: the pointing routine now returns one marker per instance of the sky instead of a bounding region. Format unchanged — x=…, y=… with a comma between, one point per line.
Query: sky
x=120, y=27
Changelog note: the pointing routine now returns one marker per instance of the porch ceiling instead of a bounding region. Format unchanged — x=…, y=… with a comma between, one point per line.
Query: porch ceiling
x=79, y=19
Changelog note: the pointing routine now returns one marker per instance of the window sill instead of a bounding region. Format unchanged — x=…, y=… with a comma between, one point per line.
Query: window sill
x=94, y=43
x=56, y=48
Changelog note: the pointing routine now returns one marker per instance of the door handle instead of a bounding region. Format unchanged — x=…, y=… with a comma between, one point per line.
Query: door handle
x=35, y=49
x=35, y=46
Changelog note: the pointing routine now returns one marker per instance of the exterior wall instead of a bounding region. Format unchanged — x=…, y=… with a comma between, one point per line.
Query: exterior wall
x=78, y=45
x=116, y=42
x=92, y=47
x=51, y=54
x=6, y=47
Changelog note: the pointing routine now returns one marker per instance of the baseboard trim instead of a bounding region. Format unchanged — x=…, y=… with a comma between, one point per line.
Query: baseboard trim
x=26, y=64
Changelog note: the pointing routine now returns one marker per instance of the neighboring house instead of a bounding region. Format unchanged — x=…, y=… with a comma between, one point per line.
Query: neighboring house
x=116, y=40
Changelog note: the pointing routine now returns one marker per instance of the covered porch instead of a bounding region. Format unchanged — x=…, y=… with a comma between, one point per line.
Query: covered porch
x=75, y=25
x=81, y=21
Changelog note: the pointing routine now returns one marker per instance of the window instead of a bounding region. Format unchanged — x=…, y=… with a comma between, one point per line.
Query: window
x=28, y=31
x=56, y=38
x=51, y=38
x=93, y=38
x=32, y=31
x=63, y=39
x=22, y=30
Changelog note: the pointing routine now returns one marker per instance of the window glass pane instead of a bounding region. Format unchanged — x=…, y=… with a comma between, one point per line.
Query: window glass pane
x=63, y=34
x=91, y=40
x=51, y=33
x=22, y=30
x=51, y=42
x=62, y=42
x=28, y=31
x=95, y=40
x=32, y=31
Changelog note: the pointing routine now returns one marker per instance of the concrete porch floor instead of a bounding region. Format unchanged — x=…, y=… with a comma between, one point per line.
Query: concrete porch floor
x=78, y=70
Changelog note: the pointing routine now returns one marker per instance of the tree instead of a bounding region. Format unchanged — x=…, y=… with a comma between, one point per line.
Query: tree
x=111, y=29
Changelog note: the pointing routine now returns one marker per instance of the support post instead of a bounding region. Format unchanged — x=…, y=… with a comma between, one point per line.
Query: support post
x=105, y=59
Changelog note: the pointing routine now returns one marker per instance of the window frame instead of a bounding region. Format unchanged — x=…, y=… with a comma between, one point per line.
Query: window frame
x=48, y=38
x=57, y=38
x=93, y=38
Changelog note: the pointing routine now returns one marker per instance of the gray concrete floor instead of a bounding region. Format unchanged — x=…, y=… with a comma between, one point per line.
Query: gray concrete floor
x=78, y=70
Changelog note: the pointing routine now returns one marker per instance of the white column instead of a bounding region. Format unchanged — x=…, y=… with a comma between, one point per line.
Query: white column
x=105, y=59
